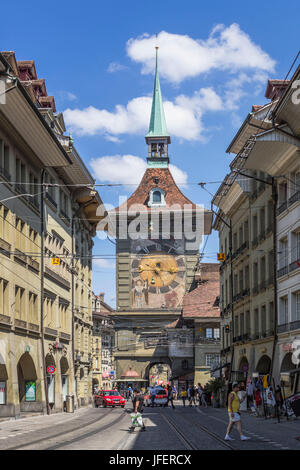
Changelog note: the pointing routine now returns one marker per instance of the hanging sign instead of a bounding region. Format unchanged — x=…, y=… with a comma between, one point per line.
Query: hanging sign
x=50, y=369
x=56, y=261
x=221, y=257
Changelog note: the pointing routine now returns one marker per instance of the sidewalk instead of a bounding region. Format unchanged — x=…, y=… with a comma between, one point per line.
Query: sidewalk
x=282, y=434
x=12, y=427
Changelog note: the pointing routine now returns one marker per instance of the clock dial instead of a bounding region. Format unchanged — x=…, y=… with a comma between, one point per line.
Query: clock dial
x=158, y=269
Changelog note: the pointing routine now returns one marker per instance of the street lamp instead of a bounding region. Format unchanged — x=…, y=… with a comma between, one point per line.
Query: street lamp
x=18, y=195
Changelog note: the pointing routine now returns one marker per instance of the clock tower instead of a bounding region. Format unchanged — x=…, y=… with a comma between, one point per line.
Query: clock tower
x=156, y=259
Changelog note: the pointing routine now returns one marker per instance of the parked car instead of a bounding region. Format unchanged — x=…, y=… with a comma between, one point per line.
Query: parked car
x=160, y=399
x=109, y=398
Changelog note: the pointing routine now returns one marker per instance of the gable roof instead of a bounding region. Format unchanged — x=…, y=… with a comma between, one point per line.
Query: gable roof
x=203, y=301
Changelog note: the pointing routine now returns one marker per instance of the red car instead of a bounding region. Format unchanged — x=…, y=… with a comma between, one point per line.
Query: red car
x=109, y=398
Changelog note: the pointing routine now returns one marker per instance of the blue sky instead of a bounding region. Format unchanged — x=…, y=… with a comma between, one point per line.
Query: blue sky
x=214, y=61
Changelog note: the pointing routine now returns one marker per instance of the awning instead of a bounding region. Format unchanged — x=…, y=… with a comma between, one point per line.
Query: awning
x=250, y=126
x=269, y=148
x=130, y=380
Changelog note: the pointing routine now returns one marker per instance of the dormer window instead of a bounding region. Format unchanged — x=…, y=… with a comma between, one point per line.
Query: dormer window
x=156, y=197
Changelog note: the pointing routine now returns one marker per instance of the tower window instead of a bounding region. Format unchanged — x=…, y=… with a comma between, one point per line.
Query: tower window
x=156, y=197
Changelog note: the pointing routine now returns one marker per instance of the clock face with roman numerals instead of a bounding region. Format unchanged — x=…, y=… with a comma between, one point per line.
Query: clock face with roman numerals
x=158, y=273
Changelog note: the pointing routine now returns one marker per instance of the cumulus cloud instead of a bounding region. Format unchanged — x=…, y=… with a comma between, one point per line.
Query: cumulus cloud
x=127, y=169
x=182, y=57
x=183, y=115
x=115, y=67
x=103, y=263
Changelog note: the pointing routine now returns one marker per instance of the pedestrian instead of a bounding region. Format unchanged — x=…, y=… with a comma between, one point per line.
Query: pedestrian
x=174, y=390
x=192, y=396
x=152, y=395
x=200, y=393
x=183, y=395
x=138, y=408
x=170, y=397
x=234, y=414
x=189, y=393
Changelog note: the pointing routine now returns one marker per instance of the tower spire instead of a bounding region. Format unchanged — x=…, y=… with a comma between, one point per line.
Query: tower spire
x=158, y=137
x=157, y=126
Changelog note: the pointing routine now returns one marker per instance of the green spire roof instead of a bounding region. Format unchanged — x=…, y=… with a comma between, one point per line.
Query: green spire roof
x=157, y=126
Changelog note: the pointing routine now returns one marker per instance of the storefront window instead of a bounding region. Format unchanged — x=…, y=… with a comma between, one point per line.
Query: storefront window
x=50, y=382
x=2, y=393
x=30, y=389
x=64, y=386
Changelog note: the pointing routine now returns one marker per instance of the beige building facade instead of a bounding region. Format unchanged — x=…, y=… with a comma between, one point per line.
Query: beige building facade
x=38, y=298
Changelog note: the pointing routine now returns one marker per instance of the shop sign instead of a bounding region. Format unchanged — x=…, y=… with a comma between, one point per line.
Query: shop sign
x=30, y=389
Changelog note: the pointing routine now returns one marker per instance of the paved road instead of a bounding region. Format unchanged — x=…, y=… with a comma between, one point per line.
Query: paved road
x=167, y=429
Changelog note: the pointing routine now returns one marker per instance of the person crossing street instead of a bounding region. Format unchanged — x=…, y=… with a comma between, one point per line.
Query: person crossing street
x=234, y=414
x=138, y=407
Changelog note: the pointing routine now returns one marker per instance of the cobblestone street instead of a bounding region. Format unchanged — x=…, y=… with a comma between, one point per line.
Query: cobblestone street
x=179, y=429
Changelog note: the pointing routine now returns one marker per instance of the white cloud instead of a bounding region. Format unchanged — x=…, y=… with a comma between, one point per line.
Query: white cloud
x=127, y=169
x=63, y=95
x=103, y=263
x=182, y=57
x=115, y=67
x=183, y=116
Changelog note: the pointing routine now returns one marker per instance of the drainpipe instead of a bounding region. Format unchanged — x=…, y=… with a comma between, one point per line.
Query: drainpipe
x=42, y=219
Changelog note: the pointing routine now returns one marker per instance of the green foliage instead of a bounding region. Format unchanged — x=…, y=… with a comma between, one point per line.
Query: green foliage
x=213, y=386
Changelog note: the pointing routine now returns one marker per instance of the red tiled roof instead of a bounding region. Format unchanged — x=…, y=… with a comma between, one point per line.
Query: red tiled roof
x=163, y=179
x=203, y=300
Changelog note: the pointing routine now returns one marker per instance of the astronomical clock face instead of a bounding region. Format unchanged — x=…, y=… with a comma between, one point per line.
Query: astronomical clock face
x=158, y=273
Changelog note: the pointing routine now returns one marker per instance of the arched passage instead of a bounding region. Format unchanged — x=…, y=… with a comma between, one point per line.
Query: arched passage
x=244, y=364
x=3, y=382
x=159, y=373
x=27, y=380
x=264, y=365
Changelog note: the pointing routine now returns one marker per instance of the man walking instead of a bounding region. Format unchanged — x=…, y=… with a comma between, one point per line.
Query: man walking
x=192, y=396
x=152, y=395
x=234, y=414
x=170, y=397
x=138, y=406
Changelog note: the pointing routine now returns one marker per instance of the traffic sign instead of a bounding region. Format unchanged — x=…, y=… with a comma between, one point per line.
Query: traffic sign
x=50, y=369
x=56, y=261
x=221, y=256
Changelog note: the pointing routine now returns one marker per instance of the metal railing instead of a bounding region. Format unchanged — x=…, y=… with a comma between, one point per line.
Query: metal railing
x=282, y=271
x=295, y=325
x=5, y=173
x=281, y=208
x=294, y=198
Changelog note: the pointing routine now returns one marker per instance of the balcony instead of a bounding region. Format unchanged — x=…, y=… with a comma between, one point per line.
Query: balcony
x=293, y=266
x=64, y=217
x=5, y=247
x=283, y=271
x=33, y=264
x=281, y=208
x=295, y=325
x=294, y=198
x=246, y=292
x=4, y=319
x=33, y=327
x=65, y=336
x=4, y=173
x=20, y=324
x=51, y=200
x=51, y=332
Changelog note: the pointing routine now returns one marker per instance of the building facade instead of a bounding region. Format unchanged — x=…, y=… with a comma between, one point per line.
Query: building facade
x=38, y=212
x=103, y=343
